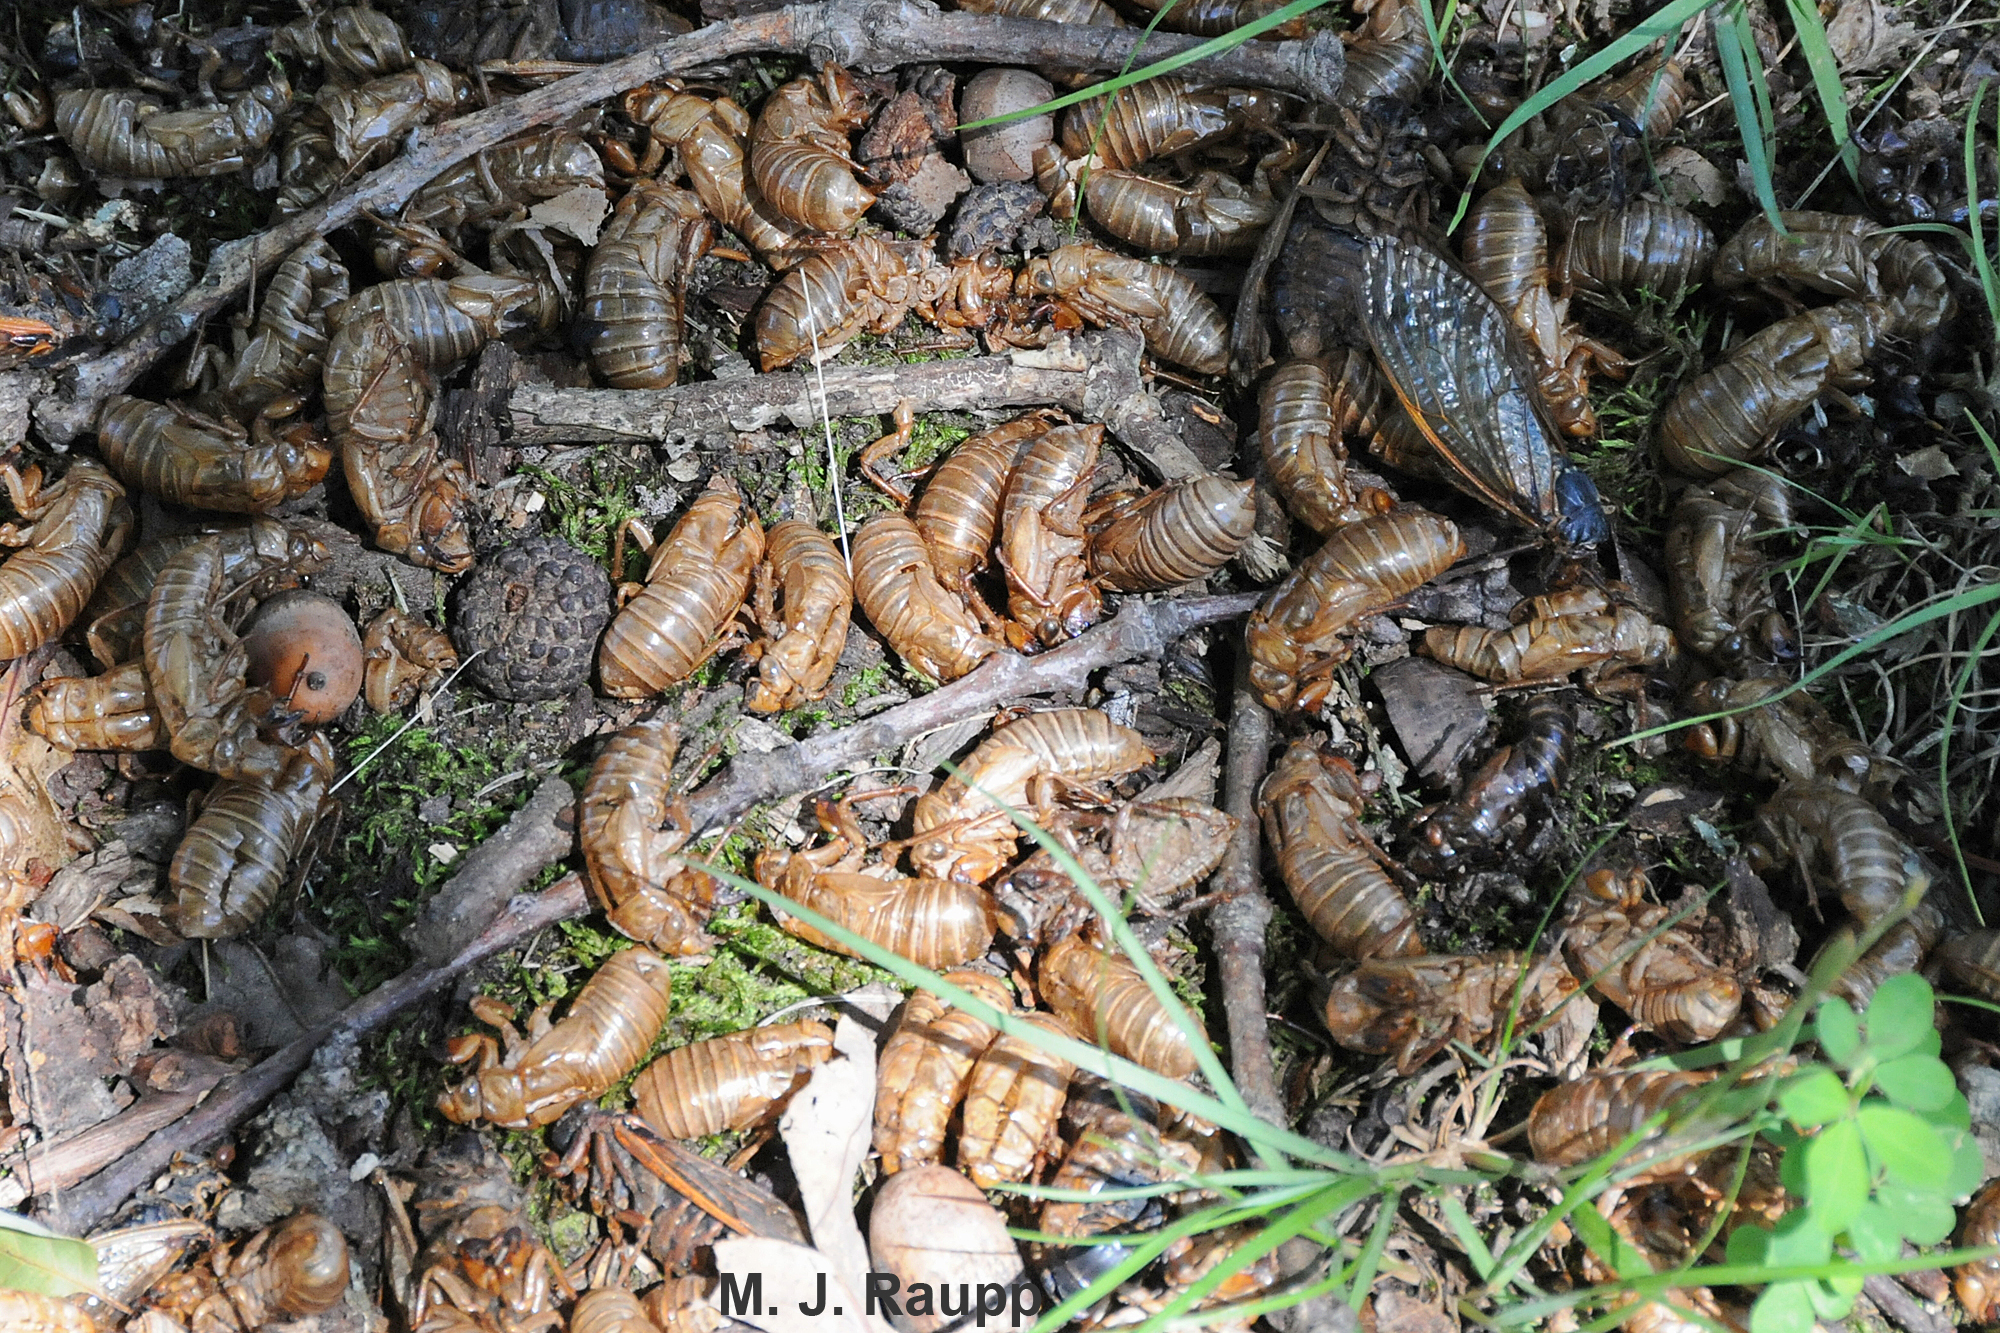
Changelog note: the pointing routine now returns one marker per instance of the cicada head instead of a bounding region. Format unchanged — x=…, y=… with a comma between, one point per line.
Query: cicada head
x=1582, y=518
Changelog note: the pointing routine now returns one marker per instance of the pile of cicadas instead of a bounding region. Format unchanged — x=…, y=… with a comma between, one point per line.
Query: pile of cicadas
x=211, y=660
x=951, y=1089
x=1017, y=497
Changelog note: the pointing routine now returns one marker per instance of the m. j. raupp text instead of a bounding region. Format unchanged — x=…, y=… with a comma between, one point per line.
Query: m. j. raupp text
x=963, y=1303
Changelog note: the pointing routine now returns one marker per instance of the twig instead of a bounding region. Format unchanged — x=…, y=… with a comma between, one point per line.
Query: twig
x=1095, y=376
x=1902, y=1308
x=869, y=34
x=1241, y=918
x=1142, y=629
x=711, y=410
x=537, y=835
x=239, y=1097
x=54, y=1166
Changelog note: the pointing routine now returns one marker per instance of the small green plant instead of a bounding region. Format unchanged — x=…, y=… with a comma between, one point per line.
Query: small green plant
x=1877, y=1144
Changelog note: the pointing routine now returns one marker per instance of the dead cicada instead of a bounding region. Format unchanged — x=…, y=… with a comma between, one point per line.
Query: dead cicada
x=1455, y=363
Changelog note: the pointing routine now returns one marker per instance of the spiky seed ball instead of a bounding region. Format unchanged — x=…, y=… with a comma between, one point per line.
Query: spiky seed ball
x=533, y=613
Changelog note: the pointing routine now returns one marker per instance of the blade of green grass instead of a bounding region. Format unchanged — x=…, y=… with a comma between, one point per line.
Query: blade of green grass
x=1229, y=41
x=1951, y=605
x=1370, y=1261
x=1276, y=1232
x=1818, y=52
x=1742, y=71
x=1133, y=948
x=1467, y=1235
x=1957, y=696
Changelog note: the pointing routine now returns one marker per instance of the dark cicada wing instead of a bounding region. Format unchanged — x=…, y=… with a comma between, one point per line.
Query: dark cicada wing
x=1450, y=355
x=1455, y=363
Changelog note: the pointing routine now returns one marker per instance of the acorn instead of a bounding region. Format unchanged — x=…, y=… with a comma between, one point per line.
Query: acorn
x=1004, y=152
x=305, y=650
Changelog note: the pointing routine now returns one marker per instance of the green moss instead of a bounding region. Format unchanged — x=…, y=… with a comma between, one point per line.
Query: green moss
x=864, y=684
x=399, y=1061
x=1187, y=973
x=765, y=74
x=1623, y=463
x=800, y=722
x=589, y=516
x=930, y=439
x=380, y=869
x=1190, y=693
x=917, y=356
x=811, y=971
x=738, y=849
x=568, y=1232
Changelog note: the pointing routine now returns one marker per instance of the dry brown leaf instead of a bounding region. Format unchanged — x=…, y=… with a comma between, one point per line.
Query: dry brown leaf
x=80, y=887
x=41, y=841
x=1865, y=35
x=1196, y=778
x=827, y=1130
x=1688, y=178
x=143, y=915
x=1927, y=464
x=580, y=212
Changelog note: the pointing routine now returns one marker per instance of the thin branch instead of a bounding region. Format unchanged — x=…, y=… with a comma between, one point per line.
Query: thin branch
x=1241, y=918
x=1901, y=1308
x=1141, y=630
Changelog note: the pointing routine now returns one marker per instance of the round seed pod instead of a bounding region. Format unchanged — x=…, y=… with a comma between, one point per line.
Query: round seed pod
x=304, y=649
x=1004, y=152
x=533, y=613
